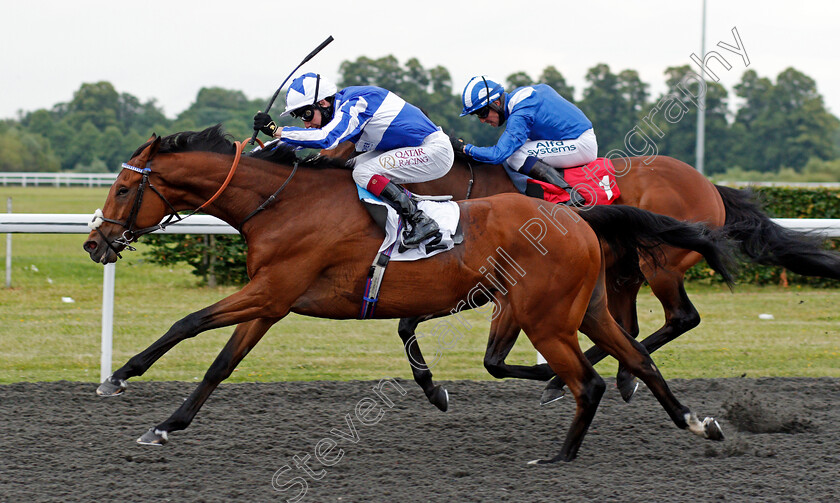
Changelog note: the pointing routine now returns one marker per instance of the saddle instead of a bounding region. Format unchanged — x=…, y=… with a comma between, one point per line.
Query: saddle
x=594, y=181
x=445, y=212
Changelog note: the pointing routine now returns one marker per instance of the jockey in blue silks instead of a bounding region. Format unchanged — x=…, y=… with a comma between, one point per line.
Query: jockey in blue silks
x=544, y=131
x=399, y=143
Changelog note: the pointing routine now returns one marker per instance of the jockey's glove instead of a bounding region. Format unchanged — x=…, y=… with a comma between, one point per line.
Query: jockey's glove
x=264, y=123
x=458, y=145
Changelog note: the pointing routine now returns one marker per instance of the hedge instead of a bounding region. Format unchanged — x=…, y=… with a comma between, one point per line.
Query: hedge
x=224, y=255
x=783, y=202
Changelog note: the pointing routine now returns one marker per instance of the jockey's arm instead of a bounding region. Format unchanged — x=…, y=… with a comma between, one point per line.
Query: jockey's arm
x=514, y=136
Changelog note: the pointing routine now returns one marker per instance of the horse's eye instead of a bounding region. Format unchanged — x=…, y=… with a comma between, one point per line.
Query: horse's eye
x=122, y=191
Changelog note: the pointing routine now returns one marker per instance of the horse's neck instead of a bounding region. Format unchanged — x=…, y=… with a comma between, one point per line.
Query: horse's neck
x=467, y=180
x=191, y=184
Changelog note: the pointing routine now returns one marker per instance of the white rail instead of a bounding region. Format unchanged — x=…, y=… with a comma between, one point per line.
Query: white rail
x=43, y=223
x=77, y=223
x=57, y=179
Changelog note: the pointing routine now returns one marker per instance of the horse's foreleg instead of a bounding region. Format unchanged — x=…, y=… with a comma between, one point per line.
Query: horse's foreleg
x=437, y=395
x=242, y=306
x=244, y=338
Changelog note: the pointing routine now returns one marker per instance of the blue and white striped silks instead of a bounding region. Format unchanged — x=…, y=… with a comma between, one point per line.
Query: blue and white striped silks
x=371, y=117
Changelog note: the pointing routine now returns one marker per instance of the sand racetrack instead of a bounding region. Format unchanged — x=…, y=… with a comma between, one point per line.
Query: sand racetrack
x=62, y=443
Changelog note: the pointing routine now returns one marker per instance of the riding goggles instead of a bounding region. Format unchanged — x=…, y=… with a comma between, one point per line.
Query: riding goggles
x=305, y=114
x=482, y=113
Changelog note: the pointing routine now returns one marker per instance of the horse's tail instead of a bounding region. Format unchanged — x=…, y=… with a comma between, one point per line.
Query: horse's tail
x=630, y=230
x=768, y=243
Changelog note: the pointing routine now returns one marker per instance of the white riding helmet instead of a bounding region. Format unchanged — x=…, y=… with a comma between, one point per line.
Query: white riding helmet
x=303, y=91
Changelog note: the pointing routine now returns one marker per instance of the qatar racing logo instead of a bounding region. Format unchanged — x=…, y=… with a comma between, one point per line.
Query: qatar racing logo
x=409, y=157
x=387, y=162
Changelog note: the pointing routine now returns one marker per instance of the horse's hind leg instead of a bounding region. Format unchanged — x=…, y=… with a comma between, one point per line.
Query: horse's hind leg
x=680, y=316
x=244, y=338
x=605, y=332
x=623, y=288
x=437, y=395
x=503, y=334
x=566, y=359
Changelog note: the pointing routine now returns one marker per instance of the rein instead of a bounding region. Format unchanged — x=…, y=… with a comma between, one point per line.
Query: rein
x=131, y=234
x=472, y=180
x=270, y=199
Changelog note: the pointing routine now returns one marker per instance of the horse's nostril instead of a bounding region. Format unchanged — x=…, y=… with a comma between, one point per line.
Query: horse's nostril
x=89, y=246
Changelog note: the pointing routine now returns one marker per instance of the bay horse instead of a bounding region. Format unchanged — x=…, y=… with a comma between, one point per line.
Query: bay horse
x=659, y=184
x=310, y=250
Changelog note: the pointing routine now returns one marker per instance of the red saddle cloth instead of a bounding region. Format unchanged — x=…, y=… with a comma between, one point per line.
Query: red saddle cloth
x=594, y=181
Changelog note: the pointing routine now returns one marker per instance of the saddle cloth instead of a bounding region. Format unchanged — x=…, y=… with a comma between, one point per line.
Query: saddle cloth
x=445, y=213
x=594, y=181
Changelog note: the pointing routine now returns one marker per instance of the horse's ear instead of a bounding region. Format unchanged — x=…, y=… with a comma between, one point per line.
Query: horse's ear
x=153, y=148
x=150, y=150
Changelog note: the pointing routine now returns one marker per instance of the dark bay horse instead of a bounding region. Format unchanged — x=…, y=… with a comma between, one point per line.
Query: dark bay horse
x=662, y=185
x=310, y=250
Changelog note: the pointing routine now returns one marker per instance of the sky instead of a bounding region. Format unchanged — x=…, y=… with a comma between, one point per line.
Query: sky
x=168, y=50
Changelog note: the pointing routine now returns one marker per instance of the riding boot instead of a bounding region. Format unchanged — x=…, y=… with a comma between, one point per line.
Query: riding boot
x=544, y=172
x=419, y=226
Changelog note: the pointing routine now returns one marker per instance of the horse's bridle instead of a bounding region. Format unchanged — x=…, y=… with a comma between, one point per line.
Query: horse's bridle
x=131, y=234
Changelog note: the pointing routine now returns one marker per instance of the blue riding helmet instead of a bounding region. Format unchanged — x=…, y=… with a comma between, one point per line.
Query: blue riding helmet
x=479, y=93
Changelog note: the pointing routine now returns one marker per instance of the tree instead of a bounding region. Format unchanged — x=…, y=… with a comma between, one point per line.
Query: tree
x=214, y=105
x=784, y=124
x=96, y=103
x=613, y=103
x=672, y=120
x=21, y=150
x=518, y=79
x=141, y=117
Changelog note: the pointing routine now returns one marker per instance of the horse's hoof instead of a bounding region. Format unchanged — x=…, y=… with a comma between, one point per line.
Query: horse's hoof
x=153, y=437
x=549, y=461
x=711, y=429
x=111, y=387
x=552, y=395
x=627, y=388
x=440, y=398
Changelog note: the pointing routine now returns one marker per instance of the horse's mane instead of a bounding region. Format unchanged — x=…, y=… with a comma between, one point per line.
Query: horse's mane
x=214, y=139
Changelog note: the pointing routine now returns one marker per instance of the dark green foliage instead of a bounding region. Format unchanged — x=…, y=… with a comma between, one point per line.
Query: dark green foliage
x=227, y=252
x=781, y=202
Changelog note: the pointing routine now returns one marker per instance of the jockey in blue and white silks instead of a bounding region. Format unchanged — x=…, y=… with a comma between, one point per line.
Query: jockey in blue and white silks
x=544, y=130
x=399, y=143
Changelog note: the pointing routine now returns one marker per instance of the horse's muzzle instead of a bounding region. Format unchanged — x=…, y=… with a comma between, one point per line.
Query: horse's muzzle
x=99, y=251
